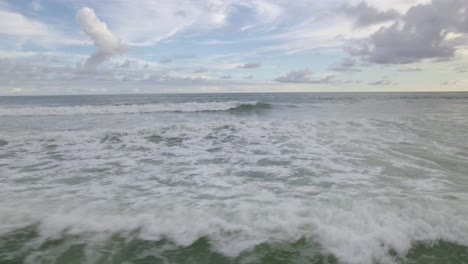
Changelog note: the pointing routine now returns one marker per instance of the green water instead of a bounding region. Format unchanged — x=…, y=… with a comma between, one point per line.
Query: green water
x=25, y=246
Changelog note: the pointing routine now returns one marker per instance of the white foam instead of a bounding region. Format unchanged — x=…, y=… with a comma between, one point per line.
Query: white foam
x=122, y=109
x=239, y=184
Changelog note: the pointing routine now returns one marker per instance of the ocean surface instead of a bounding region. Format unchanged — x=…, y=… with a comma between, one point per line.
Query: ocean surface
x=235, y=178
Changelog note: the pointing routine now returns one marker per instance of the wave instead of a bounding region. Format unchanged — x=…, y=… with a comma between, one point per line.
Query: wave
x=133, y=108
x=356, y=232
x=351, y=190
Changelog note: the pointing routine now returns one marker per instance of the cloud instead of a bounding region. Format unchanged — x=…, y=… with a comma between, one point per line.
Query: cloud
x=200, y=70
x=165, y=60
x=126, y=64
x=400, y=5
x=383, y=82
x=250, y=65
x=409, y=69
x=149, y=21
x=176, y=57
x=346, y=65
x=35, y=5
x=107, y=44
x=365, y=15
x=26, y=32
x=424, y=32
x=166, y=78
x=12, y=23
x=304, y=76
x=450, y=83
x=461, y=69
x=62, y=79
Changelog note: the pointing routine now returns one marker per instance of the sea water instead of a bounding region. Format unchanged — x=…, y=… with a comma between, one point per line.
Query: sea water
x=234, y=178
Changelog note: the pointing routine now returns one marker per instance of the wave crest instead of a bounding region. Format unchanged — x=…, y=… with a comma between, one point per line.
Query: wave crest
x=132, y=109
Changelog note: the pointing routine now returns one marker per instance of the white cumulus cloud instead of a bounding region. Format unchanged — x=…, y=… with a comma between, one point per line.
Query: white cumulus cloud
x=107, y=44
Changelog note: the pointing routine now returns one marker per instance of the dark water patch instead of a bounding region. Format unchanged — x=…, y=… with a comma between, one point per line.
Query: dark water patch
x=13, y=245
x=174, y=141
x=215, y=149
x=168, y=141
x=301, y=251
x=51, y=147
x=57, y=157
x=255, y=175
x=3, y=142
x=152, y=161
x=73, y=180
x=214, y=161
x=260, y=152
x=5, y=156
x=112, y=138
x=154, y=139
x=440, y=252
x=270, y=162
x=34, y=167
x=16, y=248
x=92, y=170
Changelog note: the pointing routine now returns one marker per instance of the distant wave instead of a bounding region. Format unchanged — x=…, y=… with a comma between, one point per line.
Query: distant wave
x=132, y=109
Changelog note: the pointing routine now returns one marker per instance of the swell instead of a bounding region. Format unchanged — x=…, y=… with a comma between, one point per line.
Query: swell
x=133, y=109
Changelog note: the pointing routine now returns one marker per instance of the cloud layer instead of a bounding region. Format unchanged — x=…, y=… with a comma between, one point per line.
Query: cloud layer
x=263, y=43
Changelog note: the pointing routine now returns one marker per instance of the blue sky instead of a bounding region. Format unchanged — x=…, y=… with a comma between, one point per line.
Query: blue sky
x=163, y=46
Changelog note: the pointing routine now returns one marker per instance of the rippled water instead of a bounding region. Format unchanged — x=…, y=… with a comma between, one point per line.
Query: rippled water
x=234, y=178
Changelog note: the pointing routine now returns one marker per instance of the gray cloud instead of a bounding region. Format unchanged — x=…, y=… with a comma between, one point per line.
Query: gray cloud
x=250, y=65
x=177, y=57
x=27, y=72
x=305, y=76
x=450, y=83
x=25, y=75
x=409, y=69
x=165, y=60
x=346, y=65
x=166, y=78
x=383, y=82
x=107, y=44
x=421, y=34
x=366, y=15
x=200, y=70
x=126, y=64
x=461, y=69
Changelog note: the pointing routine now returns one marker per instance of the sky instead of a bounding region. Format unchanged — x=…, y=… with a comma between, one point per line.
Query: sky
x=206, y=46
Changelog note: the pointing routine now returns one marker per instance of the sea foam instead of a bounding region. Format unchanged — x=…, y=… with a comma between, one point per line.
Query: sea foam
x=351, y=188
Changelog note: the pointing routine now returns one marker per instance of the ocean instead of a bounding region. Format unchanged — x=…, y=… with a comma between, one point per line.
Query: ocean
x=234, y=178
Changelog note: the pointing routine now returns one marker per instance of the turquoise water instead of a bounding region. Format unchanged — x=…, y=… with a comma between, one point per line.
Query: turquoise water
x=234, y=178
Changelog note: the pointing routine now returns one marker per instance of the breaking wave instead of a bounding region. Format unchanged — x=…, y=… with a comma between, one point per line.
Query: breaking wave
x=233, y=190
x=132, y=109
